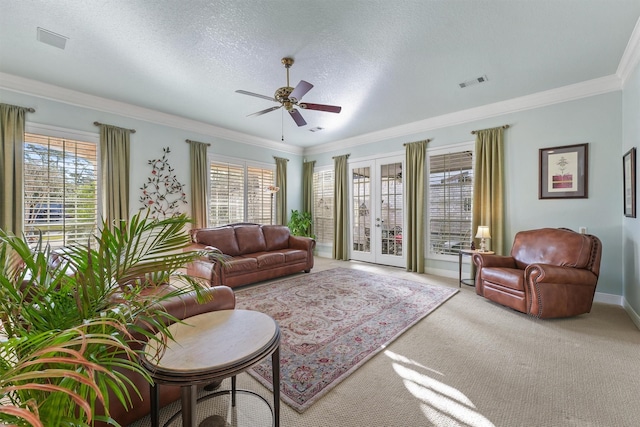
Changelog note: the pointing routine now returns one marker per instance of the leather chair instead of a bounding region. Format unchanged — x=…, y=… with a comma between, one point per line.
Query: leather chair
x=550, y=273
x=181, y=307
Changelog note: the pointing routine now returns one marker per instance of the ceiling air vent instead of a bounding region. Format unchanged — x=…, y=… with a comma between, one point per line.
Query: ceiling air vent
x=315, y=129
x=475, y=81
x=51, y=38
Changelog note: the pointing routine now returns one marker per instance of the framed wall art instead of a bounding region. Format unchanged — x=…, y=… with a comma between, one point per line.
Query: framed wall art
x=563, y=172
x=629, y=183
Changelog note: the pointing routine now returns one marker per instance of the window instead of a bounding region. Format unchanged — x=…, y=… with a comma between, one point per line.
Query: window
x=323, y=182
x=60, y=189
x=239, y=194
x=450, y=196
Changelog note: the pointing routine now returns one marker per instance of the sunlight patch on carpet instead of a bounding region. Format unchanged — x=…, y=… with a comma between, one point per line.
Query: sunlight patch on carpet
x=332, y=322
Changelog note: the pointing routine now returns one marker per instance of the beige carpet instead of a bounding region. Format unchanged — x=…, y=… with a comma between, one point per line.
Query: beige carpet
x=474, y=363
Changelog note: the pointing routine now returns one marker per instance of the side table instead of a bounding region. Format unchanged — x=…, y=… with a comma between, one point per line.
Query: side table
x=209, y=347
x=468, y=252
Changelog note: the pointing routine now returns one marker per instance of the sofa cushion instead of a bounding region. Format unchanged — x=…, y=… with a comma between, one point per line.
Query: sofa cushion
x=222, y=238
x=291, y=255
x=276, y=236
x=250, y=239
x=268, y=259
x=240, y=265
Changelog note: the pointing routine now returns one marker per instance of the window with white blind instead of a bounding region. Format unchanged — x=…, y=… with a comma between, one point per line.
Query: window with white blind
x=450, y=196
x=323, y=183
x=60, y=189
x=238, y=193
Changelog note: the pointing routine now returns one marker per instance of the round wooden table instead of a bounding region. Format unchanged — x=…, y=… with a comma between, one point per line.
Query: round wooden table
x=209, y=347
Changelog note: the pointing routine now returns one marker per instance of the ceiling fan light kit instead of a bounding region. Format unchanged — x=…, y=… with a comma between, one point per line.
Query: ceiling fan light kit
x=289, y=98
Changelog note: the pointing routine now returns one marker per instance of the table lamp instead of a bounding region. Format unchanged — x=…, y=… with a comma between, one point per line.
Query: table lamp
x=483, y=234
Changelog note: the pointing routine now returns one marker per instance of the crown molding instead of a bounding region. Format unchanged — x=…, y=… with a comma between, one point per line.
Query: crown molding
x=541, y=99
x=631, y=56
x=71, y=97
x=572, y=92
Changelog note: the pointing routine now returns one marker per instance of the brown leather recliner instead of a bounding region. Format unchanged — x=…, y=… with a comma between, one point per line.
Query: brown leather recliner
x=181, y=307
x=551, y=272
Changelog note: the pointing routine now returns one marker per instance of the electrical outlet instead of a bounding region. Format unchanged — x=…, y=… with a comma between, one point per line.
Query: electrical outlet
x=583, y=230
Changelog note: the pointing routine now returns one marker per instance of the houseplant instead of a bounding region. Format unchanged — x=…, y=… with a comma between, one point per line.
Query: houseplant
x=300, y=224
x=68, y=316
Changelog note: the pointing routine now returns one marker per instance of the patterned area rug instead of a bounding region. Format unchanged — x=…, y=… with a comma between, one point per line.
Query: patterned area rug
x=332, y=322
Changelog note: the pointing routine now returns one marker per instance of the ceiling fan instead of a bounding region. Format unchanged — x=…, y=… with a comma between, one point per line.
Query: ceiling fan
x=289, y=98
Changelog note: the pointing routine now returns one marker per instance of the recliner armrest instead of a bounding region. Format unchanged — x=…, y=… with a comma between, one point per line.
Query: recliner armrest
x=547, y=273
x=486, y=260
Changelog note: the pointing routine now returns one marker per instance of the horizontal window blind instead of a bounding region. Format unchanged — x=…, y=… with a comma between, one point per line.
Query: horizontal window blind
x=60, y=189
x=226, y=202
x=323, y=189
x=450, y=198
x=238, y=193
x=260, y=203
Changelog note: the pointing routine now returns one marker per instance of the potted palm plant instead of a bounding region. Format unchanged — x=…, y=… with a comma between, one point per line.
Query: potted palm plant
x=68, y=317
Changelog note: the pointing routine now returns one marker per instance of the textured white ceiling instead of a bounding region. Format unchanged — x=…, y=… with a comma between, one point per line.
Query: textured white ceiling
x=386, y=62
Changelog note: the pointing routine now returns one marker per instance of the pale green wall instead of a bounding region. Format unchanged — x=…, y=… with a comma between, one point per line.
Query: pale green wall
x=596, y=120
x=631, y=226
x=149, y=140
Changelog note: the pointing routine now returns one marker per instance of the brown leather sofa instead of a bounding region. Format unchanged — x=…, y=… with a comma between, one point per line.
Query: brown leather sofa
x=551, y=272
x=247, y=253
x=181, y=307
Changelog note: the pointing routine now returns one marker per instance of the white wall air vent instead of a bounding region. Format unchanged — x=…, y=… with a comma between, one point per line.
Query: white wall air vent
x=475, y=81
x=51, y=38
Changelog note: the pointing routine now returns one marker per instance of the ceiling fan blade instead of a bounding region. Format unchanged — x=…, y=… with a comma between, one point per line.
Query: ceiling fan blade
x=321, y=107
x=297, y=117
x=300, y=90
x=265, y=111
x=268, y=98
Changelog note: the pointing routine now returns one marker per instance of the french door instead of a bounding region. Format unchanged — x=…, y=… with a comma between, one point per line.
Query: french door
x=377, y=210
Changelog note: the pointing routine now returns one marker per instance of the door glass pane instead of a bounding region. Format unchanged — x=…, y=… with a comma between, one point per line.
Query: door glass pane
x=361, y=193
x=391, y=208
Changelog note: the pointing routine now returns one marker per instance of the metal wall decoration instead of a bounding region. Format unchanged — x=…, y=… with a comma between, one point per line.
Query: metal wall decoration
x=162, y=194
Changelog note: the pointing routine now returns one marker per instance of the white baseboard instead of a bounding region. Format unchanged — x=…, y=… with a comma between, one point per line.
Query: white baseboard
x=635, y=317
x=608, y=298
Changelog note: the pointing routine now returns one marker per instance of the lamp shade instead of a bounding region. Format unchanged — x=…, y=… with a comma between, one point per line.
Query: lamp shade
x=483, y=232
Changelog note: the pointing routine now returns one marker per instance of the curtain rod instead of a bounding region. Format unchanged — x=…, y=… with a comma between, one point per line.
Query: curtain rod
x=473, y=132
x=276, y=158
x=31, y=110
x=99, y=124
x=426, y=140
x=347, y=156
x=189, y=141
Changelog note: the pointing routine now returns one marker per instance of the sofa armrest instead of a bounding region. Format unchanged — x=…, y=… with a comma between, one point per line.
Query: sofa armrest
x=207, y=266
x=302, y=242
x=211, y=299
